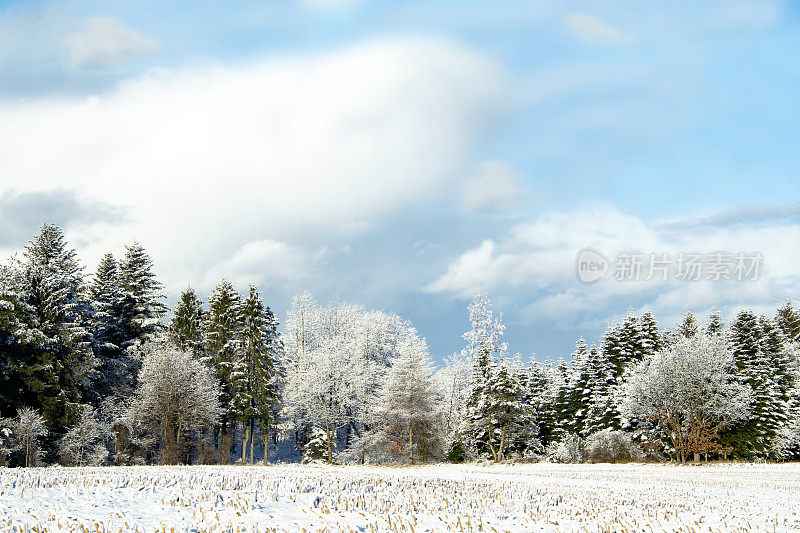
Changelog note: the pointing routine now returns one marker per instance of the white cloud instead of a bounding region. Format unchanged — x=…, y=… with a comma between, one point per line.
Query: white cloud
x=494, y=188
x=535, y=264
x=207, y=160
x=104, y=42
x=590, y=29
x=266, y=263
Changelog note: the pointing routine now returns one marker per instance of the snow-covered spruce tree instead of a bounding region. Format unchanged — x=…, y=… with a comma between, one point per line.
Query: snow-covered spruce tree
x=316, y=449
x=573, y=400
x=116, y=371
x=788, y=320
x=508, y=419
x=142, y=295
x=22, y=361
x=186, y=325
x=783, y=391
x=54, y=312
x=624, y=346
x=268, y=378
x=484, y=345
x=177, y=398
x=685, y=387
x=407, y=402
x=222, y=353
x=84, y=443
x=601, y=406
x=715, y=326
x=107, y=297
x=689, y=326
x=585, y=402
x=256, y=372
x=764, y=365
x=542, y=394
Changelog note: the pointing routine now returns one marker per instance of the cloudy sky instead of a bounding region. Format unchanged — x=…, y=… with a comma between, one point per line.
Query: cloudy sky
x=405, y=155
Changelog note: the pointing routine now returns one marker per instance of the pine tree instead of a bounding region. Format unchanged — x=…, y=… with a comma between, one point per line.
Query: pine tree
x=625, y=345
x=186, y=326
x=268, y=376
x=758, y=345
x=117, y=370
x=49, y=289
x=789, y=322
x=222, y=350
x=572, y=403
x=599, y=394
x=688, y=327
x=106, y=293
x=142, y=295
x=715, y=325
x=484, y=344
x=503, y=416
x=256, y=373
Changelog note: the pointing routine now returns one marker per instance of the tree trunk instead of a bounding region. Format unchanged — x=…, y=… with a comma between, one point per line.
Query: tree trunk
x=410, y=443
x=225, y=445
x=245, y=439
x=252, y=438
x=331, y=432
x=266, y=443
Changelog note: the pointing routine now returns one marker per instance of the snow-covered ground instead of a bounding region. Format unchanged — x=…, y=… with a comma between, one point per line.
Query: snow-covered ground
x=537, y=497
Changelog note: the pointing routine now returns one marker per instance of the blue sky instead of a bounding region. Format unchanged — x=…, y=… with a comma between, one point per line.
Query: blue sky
x=405, y=155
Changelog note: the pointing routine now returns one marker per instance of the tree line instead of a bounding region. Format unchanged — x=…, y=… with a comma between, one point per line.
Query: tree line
x=94, y=371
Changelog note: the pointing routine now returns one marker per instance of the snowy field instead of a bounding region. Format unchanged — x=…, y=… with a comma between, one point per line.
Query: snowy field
x=538, y=497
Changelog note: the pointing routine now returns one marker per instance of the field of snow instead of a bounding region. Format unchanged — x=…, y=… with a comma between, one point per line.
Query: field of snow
x=537, y=497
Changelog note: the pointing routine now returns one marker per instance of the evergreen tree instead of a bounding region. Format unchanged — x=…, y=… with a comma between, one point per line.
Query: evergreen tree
x=186, y=326
x=255, y=374
x=222, y=351
x=763, y=364
x=598, y=395
x=625, y=345
x=688, y=327
x=715, y=325
x=268, y=375
x=572, y=402
x=142, y=295
x=107, y=296
x=789, y=322
x=484, y=343
x=53, y=316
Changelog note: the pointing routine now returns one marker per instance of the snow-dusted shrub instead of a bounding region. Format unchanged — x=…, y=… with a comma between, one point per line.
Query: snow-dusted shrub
x=6, y=439
x=84, y=443
x=609, y=446
x=317, y=447
x=570, y=449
